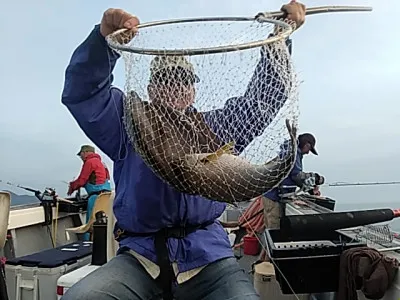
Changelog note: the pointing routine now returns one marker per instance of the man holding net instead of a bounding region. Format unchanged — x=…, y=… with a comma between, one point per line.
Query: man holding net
x=193, y=257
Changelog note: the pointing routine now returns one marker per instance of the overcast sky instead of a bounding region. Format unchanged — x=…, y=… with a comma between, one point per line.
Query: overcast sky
x=349, y=97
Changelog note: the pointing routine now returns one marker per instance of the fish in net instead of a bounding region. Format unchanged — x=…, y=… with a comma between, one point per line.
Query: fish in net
x=210, y=116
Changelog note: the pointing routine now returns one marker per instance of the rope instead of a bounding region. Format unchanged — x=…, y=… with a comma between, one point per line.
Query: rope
x=54, y=226
x=252, y=220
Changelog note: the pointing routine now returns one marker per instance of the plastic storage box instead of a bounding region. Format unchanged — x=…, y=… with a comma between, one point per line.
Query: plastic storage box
x=68, y=280
x=75, y=207
x=34, y=277
x=308, y=263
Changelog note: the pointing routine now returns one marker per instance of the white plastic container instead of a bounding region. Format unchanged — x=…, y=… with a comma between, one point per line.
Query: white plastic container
x=34, y=277
x=266, y=285
x=68, y=280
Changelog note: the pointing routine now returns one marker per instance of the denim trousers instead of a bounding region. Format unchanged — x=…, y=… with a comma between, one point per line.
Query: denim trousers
x=124, y=278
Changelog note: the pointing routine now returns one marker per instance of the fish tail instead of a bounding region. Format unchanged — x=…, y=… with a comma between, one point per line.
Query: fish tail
x=292, y=129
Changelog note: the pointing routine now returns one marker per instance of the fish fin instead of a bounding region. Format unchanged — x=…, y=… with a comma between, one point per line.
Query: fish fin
x=272, y=162
x=292, y=129
x=225, y=149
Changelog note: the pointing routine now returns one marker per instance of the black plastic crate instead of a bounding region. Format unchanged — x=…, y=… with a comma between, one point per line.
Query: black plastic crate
x=75, y=207
x=310, y=263
x=324, y=202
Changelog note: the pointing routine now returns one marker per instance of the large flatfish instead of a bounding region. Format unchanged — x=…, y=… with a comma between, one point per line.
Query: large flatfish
x=183, y=151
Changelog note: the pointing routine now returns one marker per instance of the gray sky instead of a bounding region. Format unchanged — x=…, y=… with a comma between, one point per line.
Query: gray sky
x=348, y=64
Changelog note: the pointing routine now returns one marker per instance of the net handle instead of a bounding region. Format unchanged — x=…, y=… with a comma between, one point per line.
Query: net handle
x=319, y=10
x=261, y=17
x=315, y=10
x=325, y=9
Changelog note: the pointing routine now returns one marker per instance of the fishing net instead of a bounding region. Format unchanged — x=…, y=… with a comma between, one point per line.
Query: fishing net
x=211, y=105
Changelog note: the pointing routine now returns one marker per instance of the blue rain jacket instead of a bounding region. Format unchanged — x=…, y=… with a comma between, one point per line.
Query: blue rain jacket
x=143, y=202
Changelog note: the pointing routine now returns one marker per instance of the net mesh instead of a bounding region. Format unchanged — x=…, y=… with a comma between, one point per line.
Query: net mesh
x=221, y=126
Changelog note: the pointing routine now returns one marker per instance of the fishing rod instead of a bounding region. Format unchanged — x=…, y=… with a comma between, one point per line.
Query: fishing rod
x=21, y=187
x=295, y=224
x=49, y=194
x=344, y=184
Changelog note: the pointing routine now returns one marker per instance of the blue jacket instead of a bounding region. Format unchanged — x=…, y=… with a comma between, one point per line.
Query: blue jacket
x=144, y=203
x=288, y=181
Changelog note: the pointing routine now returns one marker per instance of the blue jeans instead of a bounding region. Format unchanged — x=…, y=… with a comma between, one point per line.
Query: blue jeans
x=124, y=278
x=90, y=205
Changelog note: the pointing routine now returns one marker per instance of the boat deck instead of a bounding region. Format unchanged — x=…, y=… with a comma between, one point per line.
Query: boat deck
x=378, y=236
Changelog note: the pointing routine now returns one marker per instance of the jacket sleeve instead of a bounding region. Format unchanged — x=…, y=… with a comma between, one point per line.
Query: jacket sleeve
x=89, y=96
x=245, y=117
x=297, y=174
x=107, y=173
x=83, y=177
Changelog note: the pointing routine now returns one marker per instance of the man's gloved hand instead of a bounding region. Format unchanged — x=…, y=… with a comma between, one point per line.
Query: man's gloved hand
x=319, y=179
x=314, y=179
x=310, y=180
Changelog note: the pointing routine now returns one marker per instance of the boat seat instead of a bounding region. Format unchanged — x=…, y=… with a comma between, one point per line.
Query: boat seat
x=102, y=203
x=112, y=244
x=5, y=204
x=105, y=203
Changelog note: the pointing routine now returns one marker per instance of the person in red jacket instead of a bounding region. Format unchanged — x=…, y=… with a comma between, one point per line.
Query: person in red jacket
x=94, y=177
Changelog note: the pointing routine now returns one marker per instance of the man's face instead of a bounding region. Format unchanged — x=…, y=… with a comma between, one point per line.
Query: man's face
x=306, y=148
x=174, y=87
x=83, y=155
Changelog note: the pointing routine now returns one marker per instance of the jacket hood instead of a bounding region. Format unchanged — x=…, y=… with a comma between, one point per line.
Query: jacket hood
x=93, y=155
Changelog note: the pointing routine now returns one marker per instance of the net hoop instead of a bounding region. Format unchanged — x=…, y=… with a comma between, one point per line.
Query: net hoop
x=261, y=17
x=285, y=31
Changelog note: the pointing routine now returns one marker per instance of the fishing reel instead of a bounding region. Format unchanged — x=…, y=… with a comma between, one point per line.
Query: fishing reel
x=48, y=199
x=48, y=195
x=313, y=180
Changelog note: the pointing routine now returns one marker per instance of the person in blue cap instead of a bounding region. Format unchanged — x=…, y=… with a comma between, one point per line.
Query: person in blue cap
x=297, y=177
x=171, y=244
